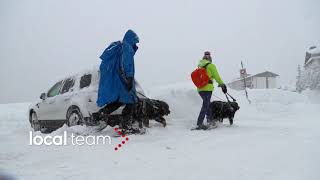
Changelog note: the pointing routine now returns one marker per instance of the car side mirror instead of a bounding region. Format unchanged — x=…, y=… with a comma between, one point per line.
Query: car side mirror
x=43, y=96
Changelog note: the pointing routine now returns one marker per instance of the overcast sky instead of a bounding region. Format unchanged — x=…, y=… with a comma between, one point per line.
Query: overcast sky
x=43, y=41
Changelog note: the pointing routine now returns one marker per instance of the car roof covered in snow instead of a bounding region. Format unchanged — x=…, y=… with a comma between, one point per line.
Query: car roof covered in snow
x=80, y=73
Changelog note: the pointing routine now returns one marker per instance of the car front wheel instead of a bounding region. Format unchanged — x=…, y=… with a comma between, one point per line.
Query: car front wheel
x=35, y=124
x=74, y=117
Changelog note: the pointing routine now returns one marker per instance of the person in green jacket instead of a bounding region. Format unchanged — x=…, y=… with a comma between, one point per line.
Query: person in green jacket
x=206, y=91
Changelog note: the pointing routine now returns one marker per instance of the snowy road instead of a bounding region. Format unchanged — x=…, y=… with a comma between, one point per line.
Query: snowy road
x=276, y=137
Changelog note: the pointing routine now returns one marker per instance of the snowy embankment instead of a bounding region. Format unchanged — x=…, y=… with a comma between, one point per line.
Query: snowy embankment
x=274, y=137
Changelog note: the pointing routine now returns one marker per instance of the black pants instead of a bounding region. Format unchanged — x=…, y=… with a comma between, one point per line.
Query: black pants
x=205, y=110
x=127, y=114
x=108, y=109
x=127, y=111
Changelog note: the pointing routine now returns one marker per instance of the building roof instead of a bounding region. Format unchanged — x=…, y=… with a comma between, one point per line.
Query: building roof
x=262, y=74
x=314, y=50
x=266, y=74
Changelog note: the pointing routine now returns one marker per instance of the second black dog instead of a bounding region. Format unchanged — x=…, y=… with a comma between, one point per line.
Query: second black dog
x=221, y=110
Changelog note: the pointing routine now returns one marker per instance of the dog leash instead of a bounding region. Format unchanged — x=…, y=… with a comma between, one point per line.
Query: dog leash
x=227, y=97
x=231, y=97
x=227, y=94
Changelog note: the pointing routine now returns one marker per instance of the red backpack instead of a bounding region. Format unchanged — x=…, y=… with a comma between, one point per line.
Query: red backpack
x=200, y=76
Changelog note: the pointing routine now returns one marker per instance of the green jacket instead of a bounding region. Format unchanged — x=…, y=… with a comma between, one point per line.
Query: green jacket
x=212, y=73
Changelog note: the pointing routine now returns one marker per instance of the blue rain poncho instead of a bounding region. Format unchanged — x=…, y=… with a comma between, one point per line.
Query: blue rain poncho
x=116, y=67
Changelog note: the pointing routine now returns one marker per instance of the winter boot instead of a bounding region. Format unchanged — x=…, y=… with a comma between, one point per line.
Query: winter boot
x=201, y=127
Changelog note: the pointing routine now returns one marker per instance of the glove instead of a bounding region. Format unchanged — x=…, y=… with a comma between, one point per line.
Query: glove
x=135, y=48
x=224, y=88
x=129, y=83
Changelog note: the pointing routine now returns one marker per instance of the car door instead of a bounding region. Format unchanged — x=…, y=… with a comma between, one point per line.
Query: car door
x=48, y=105
x=63, y=100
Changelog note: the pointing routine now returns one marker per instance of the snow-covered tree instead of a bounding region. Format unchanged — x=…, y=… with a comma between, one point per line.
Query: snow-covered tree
x=314, y=76
x=299, y=83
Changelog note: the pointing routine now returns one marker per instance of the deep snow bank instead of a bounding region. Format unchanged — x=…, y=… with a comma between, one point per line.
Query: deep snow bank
x=185, y=103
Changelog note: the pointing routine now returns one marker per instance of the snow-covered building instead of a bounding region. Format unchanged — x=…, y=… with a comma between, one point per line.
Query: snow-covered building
x=263, y=80
x=310, y=76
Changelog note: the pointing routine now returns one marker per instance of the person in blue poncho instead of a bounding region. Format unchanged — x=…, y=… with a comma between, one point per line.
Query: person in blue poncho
x=117, y=85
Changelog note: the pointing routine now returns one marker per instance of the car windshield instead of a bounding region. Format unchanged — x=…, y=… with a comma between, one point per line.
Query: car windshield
x=55, y=89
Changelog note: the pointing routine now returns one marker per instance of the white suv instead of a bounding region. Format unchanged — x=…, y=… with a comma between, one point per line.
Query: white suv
x=71, y=100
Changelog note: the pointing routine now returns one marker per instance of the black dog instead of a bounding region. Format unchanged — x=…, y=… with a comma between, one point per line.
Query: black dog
x=143, y=111
x=221, y=110
x=152, y=109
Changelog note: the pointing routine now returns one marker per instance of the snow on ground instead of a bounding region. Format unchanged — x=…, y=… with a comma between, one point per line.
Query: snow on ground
x=274, y=137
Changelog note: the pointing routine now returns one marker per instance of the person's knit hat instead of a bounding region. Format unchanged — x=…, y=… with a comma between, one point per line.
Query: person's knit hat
x=207, y=53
